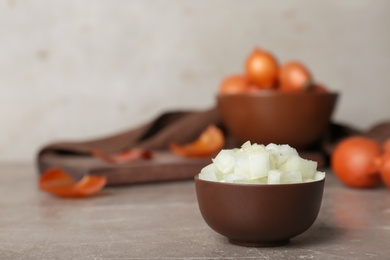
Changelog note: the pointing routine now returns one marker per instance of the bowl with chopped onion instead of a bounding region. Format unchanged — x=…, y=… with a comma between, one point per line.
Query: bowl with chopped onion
x=259, y=195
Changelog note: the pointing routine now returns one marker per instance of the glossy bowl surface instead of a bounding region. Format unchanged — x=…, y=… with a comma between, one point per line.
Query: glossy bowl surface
x=259, y=215
x=299, y=119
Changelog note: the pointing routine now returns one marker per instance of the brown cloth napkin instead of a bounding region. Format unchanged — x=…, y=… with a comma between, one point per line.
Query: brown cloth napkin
x=172, y=127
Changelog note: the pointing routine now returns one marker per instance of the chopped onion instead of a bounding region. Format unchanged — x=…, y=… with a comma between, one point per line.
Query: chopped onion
x=208, y=176
x=274, y=176
x=210, y=173
x=233, y=177
x=292, y=177
x=319, y=176
x=306, y=167
x=241, y=165
x=259, y=164
x=225, y=161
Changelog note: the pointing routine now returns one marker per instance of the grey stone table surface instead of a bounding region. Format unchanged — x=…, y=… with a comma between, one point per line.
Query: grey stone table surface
x=162, y=221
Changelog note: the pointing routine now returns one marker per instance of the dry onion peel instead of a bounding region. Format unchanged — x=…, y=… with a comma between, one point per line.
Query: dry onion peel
x=208, y=143
x=123, y=157
x=57, y=182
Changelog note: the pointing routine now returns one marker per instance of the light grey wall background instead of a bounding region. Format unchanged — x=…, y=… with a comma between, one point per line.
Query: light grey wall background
x=72, y=69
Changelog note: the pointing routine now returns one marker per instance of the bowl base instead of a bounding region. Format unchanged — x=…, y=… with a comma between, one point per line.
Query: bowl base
x=258, y=243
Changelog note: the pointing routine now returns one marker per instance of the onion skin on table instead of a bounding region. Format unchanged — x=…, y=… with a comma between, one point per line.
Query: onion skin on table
x=126, y=156
x=210, y=141
x=59, y=183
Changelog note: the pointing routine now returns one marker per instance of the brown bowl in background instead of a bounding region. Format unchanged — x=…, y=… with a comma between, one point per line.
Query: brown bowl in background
x=299, y=119
x=259, y=214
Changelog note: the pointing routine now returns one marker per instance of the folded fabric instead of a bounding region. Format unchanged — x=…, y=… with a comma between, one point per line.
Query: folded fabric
x=172, y=127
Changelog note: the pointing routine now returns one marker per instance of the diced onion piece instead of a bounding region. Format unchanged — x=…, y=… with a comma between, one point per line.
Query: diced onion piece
x=281, y=153
x=241, y=165
x=208, y=176
x=209, y=168
x=306, y=167
x=272, y=147
x=291, y=177
x=234, y=177
x=252, y=149
x=319, y=176
x=263, y=180
x=210, y=173
x=259, y=165
x=286, y=152
x=253, y=181
x=246, y=146
x=274, y=176
x=225, y=161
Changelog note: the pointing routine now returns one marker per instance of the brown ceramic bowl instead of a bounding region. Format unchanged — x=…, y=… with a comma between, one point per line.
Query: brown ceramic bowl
x=299, y=119
x=259, y=214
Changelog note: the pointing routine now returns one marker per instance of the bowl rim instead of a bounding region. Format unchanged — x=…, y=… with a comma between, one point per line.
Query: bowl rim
x=196, y=178
x=275, y=93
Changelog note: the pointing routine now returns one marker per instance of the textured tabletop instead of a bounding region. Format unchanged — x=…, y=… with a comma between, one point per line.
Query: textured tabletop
x=162, y=221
